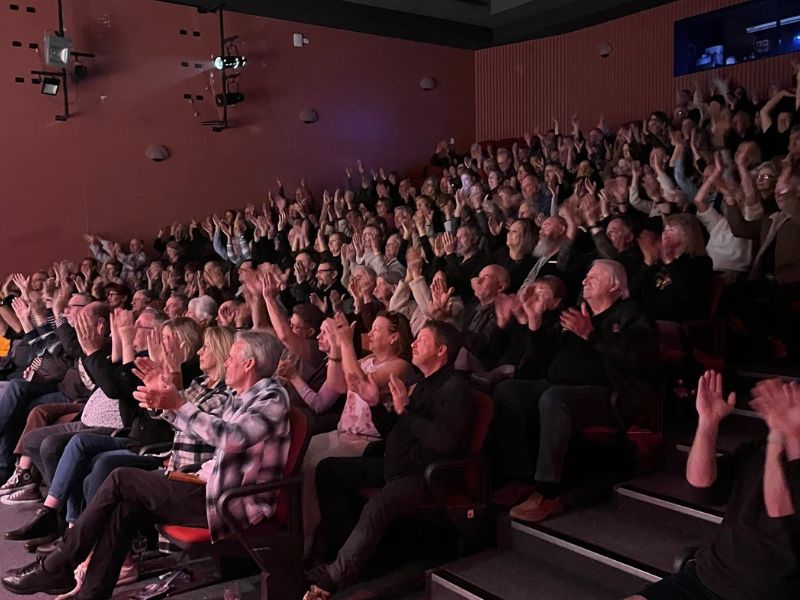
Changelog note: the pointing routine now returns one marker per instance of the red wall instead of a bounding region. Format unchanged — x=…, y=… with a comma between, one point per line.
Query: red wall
x=523, y=85
x=60, y=180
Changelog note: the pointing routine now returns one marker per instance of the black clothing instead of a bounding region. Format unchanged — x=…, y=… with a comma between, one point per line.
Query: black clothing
x=754, y=555
x=678, y=291
x=482, y=337
x=459, y=272
x=621, y=353
x=436, y=425
x=517, y=269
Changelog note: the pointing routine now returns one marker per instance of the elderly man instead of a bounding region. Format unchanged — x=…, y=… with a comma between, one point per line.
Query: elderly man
x=251, y=438
x=604, y=371
x=552, y=236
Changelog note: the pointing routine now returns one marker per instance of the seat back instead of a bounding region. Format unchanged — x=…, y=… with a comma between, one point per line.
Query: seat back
x=300, y=435
x=717, y=288
x=483, y=408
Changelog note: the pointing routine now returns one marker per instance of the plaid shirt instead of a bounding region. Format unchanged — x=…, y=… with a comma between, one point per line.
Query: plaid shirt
x=251, y=438
x=186, y=448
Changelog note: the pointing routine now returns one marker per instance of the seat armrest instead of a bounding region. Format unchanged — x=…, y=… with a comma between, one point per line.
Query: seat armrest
x=293, y=487
x=480, y=464
x=156, y=448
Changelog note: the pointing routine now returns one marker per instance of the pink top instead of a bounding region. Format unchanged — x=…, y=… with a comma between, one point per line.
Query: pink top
x=356, y=417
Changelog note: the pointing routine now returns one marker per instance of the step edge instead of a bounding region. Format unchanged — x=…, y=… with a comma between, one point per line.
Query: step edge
x=592, y=551
x=669, y=503
x=457, y=584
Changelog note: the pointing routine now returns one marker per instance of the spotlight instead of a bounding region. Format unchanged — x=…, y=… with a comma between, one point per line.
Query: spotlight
x=230, y=62
x=229, y=98
x=56, y=50
x=50, y=85
x=79, y=72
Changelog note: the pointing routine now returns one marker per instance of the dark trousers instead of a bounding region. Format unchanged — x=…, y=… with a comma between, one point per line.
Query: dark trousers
x=18, y=398
x=338, y=480
x=129, y=500
x=49, y=414
x=533, y=424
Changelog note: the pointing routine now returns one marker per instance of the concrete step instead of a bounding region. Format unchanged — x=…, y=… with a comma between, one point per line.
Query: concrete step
x=639, y=538
x=669, y=489
x=552, y=574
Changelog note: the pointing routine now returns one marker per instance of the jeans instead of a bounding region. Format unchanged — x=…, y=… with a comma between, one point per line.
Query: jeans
x=74, y=466
x=19, y=398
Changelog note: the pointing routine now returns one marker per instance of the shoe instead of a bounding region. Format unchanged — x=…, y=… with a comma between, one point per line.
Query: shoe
x=33, y=579
x=46, y=548
x=46, y=522
x=28, y=495
x=537, y=508
x=512, y=494
x=34, y=544
x=21, y=479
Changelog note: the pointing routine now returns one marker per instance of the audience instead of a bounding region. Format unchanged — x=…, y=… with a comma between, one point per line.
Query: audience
x=535, y=271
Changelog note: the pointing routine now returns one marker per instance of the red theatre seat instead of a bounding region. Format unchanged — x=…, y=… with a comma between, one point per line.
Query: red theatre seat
x=274, y=544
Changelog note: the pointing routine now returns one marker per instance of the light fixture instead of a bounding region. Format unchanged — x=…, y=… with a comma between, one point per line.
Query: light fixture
x=79, y=72
x=309, y=116
x=50, y=85
x=230, y=62
x=427, y=84
x=228, y=98
x=56, y=50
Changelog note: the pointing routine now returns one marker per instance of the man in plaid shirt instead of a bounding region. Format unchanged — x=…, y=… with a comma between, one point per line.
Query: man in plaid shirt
x=251, y=440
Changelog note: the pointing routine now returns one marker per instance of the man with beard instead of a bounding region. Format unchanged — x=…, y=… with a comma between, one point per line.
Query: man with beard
x=552, y=237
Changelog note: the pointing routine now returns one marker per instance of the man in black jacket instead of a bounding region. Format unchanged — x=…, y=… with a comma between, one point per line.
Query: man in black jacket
x=604, y=372
x=432, y=423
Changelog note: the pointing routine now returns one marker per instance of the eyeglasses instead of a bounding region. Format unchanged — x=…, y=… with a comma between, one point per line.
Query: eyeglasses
x=765, y=176
x=110, y=294
x=73, y=306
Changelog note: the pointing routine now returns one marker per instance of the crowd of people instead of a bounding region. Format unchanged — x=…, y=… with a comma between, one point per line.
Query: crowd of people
x=536, y=273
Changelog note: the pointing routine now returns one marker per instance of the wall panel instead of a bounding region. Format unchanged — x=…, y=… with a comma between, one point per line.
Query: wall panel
x=522, y=86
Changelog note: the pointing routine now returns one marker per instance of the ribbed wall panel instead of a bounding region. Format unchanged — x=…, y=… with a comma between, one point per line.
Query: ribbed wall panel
x=522, y=86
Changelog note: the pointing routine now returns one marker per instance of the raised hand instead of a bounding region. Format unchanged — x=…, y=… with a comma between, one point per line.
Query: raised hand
x=578, y=322
x=448, y=242
x=779, y=403
x=366, y=388
x=399, y=393
x=441, y=295
x=88, y=336
x=711, y=406
x=155, y=347
x=148, y=371
x=21, y=308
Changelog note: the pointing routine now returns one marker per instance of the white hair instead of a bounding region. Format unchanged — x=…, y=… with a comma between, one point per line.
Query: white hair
x=205, y=307
x=617, y=275
x=264, y=349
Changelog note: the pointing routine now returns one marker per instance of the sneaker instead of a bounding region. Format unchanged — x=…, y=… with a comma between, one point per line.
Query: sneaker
x=28, y=495
x=21, y=479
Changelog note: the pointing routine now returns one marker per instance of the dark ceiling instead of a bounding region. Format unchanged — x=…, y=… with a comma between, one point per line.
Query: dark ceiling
x=472, y=24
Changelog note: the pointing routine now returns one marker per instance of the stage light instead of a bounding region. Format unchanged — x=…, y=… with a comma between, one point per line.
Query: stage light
x=56, y=50
x=229, y=99
x=230, y=62
x=50, y=85
x=79, y=72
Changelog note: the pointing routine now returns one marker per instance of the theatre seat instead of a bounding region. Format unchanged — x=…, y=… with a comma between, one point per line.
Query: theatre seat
x=647, y=445
x=459, y=488
x=274, y=544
